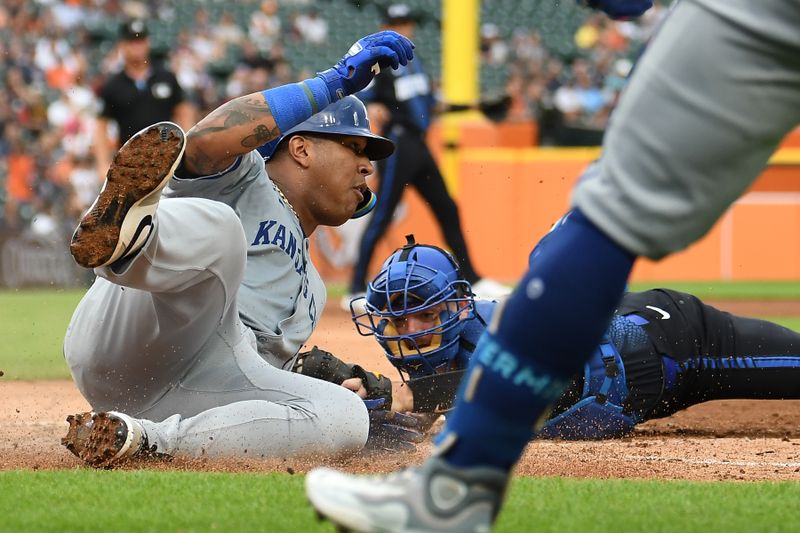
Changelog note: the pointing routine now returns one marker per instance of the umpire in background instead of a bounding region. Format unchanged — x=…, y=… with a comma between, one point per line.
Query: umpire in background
x=142, y=93
x=401, y=104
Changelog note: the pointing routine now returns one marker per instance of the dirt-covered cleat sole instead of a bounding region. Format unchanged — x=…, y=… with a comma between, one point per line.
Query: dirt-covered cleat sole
x=121, y=218
x=104, y=439
x=80, y=426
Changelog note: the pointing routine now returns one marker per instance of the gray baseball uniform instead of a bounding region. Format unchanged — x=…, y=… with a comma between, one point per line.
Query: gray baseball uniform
x=187, y=335
x=738, y=106
x=282, y=294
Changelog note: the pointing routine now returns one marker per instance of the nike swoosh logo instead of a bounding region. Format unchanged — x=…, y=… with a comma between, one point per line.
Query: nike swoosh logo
x=664, y=314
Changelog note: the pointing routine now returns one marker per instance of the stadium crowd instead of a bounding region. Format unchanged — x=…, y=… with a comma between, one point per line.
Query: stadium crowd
x=55, y=55
x=575, y=86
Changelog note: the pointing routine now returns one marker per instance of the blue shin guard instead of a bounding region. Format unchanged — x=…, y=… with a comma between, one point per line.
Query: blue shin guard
x=537, y=340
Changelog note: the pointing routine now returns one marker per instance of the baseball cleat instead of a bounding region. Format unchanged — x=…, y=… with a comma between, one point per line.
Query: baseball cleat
x=121, y=218
x=80, y=426
x=432, y=497
x=104, y=440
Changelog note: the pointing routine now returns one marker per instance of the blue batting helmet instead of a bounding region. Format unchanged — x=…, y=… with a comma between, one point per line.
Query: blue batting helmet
x=347, y=116
x=422, y=280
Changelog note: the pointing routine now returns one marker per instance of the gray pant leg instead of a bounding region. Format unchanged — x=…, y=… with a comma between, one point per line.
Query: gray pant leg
x=135, y=334
x=710, y=100
x=251, y=408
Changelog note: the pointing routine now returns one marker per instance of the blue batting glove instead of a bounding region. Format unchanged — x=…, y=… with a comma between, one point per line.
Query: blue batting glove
x=620, y=9
x=365, y=59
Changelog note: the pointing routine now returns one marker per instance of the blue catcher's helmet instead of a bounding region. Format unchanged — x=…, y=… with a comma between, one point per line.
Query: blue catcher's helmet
x=417, y=278
x=347, y=116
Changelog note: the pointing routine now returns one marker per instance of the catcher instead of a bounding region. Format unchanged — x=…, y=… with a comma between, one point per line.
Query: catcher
x=664, y=351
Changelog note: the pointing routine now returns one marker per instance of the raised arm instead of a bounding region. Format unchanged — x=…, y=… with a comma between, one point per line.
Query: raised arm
x=254, y=120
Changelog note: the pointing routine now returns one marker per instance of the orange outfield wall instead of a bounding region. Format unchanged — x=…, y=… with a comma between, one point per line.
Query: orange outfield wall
x=509, y=197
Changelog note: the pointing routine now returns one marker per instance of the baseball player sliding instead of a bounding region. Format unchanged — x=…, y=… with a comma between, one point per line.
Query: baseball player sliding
x=664, y=351
x=205, y=292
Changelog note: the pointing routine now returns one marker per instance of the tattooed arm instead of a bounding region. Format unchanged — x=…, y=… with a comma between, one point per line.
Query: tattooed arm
x=233, y=129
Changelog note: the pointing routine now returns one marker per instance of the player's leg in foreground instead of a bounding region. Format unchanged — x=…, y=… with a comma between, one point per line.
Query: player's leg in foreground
x=503, y=395
x=675, y=156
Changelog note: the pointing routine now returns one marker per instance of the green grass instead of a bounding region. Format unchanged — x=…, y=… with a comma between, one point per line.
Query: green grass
x=33, y=322
x=91, y=500
x=32, y=326
x=96, y=500
x=554, y=504
x=739, y=290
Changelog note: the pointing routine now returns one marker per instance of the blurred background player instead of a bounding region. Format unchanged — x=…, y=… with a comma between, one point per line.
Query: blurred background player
x=708, y=103
x=143, y=92
x=664, y=351
x=401, y=105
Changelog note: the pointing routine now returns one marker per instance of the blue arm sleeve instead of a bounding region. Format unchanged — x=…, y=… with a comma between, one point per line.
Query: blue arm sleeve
x=292, y=104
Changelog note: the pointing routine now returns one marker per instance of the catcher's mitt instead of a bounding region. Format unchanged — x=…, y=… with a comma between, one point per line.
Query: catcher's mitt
x=378, y=386
x=324, y=365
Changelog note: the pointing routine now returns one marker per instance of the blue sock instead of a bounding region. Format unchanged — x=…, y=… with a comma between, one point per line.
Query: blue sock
x=546, y=330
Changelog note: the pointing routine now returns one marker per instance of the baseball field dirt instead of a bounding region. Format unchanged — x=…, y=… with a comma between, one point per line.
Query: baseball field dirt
x=722, y=440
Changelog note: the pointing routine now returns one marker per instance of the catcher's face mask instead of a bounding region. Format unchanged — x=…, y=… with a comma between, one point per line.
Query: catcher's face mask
x=415, y=308
x=423, y=325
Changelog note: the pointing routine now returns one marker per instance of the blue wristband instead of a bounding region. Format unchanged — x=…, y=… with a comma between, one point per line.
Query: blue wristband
x=319, y=94
x=292, y=104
